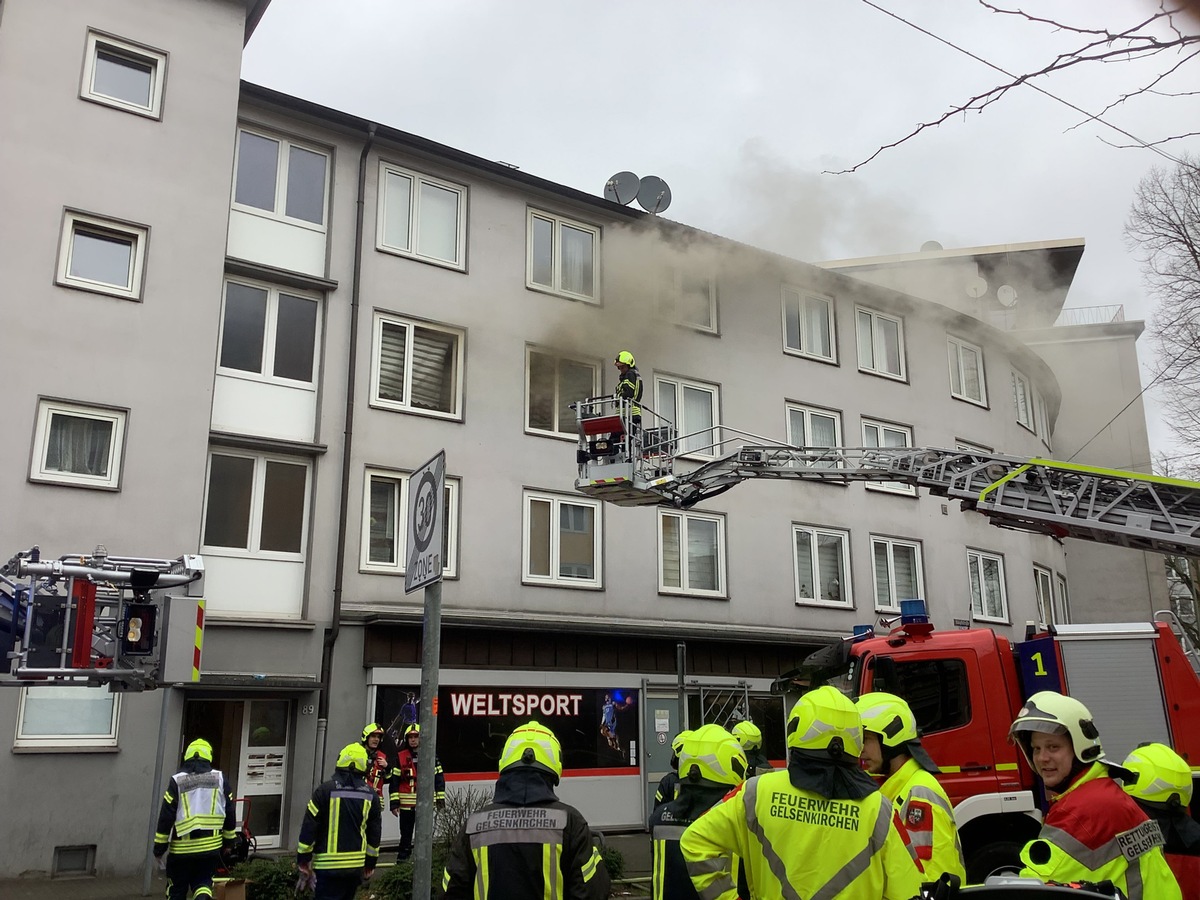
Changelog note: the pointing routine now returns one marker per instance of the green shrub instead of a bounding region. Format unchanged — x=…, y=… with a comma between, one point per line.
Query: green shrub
x=269, y=879
x=614, y=861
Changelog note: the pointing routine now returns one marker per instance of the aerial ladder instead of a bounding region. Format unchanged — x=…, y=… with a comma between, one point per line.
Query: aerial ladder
x=628, y=465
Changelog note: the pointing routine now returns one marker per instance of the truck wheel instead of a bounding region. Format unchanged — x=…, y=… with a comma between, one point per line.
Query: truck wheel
x=991, y=858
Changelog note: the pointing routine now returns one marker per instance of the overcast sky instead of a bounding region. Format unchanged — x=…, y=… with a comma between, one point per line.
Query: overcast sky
x=741, y=106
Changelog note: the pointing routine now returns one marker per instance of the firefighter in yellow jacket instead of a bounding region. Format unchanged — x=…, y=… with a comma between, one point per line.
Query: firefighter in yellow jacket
x=526, y=844
x=820, y=828
x=195, y=819
x=891, y=748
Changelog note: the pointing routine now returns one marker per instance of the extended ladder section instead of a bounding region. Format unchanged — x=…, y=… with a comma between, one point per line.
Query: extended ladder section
x=652, y=466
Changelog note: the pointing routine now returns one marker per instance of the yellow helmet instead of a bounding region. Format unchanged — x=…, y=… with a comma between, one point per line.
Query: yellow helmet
x=414, y=728
x=710, y=753
x=825, y=719
x=1163, y=776
x=892, y=719
x=371, y=729
x=198, y=748
x=625, y=358
x=353, y=757
x=677, y=741
x=1053, y=713
x=748, y=735
x=533, y=744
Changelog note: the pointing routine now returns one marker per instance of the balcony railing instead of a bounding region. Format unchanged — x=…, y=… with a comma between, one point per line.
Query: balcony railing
x=1091, y=315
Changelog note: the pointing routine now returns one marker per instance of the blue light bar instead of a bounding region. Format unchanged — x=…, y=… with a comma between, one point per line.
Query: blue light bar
x=913, y=612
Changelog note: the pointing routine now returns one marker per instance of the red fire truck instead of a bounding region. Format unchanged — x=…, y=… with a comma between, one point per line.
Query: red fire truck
x=965, y=686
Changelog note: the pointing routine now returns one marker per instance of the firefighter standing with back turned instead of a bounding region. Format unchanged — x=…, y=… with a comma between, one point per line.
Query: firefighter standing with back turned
x=820, y=828
x=891, y=748
x=668, y=785
x=404, y=801
x=195, y=820
x=629, y=387
x=1162, y=786
x=1093, y=830
x=749, y=736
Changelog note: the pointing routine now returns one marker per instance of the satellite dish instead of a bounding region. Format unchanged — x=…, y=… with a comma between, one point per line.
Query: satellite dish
x=621, y=188
x=1007, y=295
x=653, y=195
x=930, y=246
x=976, y=287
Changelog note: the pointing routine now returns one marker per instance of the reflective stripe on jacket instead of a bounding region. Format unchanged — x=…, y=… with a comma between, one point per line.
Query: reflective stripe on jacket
x=342, y=825
x=630, y=388
x=196, y=815
x=1094, y=831
x=405, y=780
x=928, y=817
x=668, y=788
x=797, y=845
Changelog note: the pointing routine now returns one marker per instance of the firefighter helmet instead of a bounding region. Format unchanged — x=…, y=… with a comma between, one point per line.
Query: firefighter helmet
x=712, y=754
x=199, y=748
x=677, y=741
x=1163, y=776
x=353, y=757
x=625, y=358
x=892, y=719
x=1053, y=713
x=414, y=728
x=825, y=719
x=533, y=744
x=748, y=735
x=371, y=729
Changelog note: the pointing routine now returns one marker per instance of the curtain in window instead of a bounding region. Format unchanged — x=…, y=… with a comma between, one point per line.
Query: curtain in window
x=397, y=213
x=823, y=433
x=541, y=254
x=577, y=261
x=384, y=505
x=816, y=327
x=697, y=417
x=433, y=370
x=392, y=356
x=806, y=585
x=866, y=341
x=993, y=597
x=889, y=334
x=78, y=445
x=955, y=351
x=576, y=549
x=538, y=539
x=672, y=572
x=703, y=566
x=829, y=563
x=905, y=565
x=883, y=581
x=437, y=230
x=970, y=370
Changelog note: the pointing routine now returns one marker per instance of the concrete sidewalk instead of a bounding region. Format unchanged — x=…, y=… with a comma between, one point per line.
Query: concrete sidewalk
x=97, y=888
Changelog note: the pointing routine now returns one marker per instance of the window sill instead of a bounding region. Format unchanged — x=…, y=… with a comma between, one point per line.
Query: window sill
x=394, y=573
x=564, y=295
x=562, y=584
x=692, y=595
x=275, y=275
x=413, y=411
x=427, y=260
x=553, y=435
x=88, y=288
x=988, y=620
x=269, y=445
x=86, y=485
x=64, y=748
x=811, y=357
x=893, y=491
x=901, y=378
x=114, y=103
x=982, y=404
x=825, y=604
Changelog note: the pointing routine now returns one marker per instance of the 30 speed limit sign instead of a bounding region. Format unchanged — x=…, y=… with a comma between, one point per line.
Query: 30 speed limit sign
x=425, y=518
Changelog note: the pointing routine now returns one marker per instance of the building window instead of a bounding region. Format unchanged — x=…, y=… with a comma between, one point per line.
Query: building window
x=690, y=300
x=421, y=217
x=808, y=325
x=693, y=408
x=1023, y=400
x=1043, y=587
x=124, y=75
x=78, y=445
x=282, y=179
x=1062, y=602
x=883, y=434
x=269, y=333
x=809, y=426
x=822, y=566
x=969, y=447
x=102, y=255
x=418, y=367
x=880, y=344
x=897, y=570
x=691, y=553
x=966, y=371
x=552, y=384
x=384, y=517
x=988, y=599
x=67, y=716
x=256, y=504
x=563, y=256
x=562, y=541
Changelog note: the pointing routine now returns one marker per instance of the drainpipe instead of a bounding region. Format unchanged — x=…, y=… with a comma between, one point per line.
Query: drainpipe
x=331, y=635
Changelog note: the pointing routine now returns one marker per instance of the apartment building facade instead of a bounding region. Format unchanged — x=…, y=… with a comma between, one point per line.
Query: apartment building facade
x=266, y=314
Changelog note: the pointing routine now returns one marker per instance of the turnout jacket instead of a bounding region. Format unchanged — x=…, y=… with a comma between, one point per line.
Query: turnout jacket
x=796, y=842
x=341, y=825
x=196, y=815
x=524, y=845
x=668, y=822
x=928, y=817
x=667, y=790
x=404, y=779
x=1094, y=831
x=630, y=388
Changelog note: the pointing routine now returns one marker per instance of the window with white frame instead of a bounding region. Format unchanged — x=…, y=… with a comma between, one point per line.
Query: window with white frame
x=810, y=426
x=563, y=256
x=988, y=598
x=1043, y=587
x=1062, y=601
x=256, y=504
x=562, y=541
x=1041, y=417
x=689, y=299
x=693, y=407
x=966, y=371
x=281, y=179
x=808, y=324
x=124, y=75
x=269, y=333
x=417, y=367
x=553, y=383
x=384, y=518
x=691, y=554
x=971, y=447
x=885, y=434
x=1023, y=401
x=822, y=557
x=78, y=444
x=896, y=565
x=67, y=716
x=880, y=343
x=102, y=255
x=421, y=216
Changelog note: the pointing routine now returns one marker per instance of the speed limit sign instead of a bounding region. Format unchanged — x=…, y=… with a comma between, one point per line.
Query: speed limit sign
x=424, y=519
